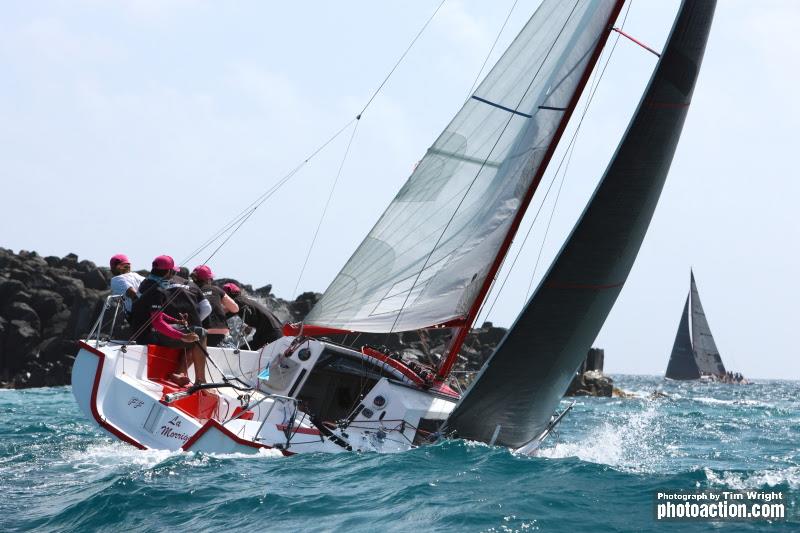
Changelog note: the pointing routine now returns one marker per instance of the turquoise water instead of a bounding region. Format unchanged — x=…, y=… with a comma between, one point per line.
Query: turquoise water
x=59, y=473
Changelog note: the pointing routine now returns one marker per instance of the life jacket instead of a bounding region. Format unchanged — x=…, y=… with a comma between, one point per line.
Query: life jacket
x=151, y=299
x=216, y=320
x=255, y=314
x=183, y=299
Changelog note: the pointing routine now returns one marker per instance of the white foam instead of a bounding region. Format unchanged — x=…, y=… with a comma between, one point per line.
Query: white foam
x=633, y=444
x=115, y=454
x=754, y=480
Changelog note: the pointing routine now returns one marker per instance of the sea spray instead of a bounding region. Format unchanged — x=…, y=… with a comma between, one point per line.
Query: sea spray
x=599, y=473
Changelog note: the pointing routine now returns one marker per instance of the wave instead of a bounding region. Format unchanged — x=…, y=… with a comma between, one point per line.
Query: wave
x=788, y=478
x=634, y=444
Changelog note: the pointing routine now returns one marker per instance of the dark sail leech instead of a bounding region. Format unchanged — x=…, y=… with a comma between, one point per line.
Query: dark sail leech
x=682, y=364
x=705, y=349
x=520, y=386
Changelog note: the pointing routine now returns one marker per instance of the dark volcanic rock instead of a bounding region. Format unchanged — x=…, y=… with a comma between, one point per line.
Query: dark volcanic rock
x=22, y=312
x=46, y=304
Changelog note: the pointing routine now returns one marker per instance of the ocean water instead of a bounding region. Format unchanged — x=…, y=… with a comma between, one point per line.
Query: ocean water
x=599, y=473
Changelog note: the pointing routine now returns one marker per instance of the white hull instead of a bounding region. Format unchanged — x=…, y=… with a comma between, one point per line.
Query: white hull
x=313, y=400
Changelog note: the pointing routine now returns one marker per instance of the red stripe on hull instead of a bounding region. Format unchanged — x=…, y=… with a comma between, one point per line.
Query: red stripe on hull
x=228, y=433
x=93, y=401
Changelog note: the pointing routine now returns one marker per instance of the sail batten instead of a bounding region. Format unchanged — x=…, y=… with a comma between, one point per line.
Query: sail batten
x=458, y=206
x=519, y=387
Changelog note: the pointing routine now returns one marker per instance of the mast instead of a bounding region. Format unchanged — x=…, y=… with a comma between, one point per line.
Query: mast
x=512, y=399
x=461, y=333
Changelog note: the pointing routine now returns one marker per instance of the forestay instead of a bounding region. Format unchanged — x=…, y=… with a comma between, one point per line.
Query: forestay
x=424, y=262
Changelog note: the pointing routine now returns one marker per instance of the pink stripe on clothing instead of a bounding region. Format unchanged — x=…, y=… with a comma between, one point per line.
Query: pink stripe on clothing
x=161, y=320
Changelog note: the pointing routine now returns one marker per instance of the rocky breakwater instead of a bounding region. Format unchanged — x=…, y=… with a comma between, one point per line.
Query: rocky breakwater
x=589, y=379
x=48, y=303
x=45, y=304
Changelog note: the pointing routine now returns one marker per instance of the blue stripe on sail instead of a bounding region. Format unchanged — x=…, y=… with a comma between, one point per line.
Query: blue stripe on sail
x=504, y=108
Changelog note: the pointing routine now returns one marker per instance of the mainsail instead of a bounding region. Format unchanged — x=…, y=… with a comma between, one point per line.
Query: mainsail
x=427, y=259
x=682, y=364
x=705, y=349
x=511, y=401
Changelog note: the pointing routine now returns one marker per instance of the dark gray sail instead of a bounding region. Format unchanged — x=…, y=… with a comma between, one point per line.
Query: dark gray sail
x=682, y=364
x=705, y=349
x=518, y=389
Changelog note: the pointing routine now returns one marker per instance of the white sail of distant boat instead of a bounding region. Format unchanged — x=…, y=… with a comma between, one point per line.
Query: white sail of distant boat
x=694, y=355
x=429, y=262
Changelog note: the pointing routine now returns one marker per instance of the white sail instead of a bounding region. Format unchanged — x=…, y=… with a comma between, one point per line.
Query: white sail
x=426, y=259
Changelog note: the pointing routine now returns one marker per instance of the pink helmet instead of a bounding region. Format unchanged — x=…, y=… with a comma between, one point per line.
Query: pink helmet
x=203, y=272
x=164, y=262
x=231, y=288
x=118, y=259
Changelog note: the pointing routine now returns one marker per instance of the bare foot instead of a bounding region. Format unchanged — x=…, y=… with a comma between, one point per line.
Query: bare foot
x=179, y=379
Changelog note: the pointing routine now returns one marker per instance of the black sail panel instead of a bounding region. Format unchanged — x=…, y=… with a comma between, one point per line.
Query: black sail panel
x=705, y=349
x=518, y=389
x=682, y=364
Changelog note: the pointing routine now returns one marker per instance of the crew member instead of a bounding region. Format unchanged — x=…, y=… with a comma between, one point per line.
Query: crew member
x=221, y=305
x=255, y=314
x=124, y=282
x=153, y=321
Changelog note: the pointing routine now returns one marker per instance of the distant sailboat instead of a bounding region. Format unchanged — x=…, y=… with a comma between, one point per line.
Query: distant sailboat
x=695, y=354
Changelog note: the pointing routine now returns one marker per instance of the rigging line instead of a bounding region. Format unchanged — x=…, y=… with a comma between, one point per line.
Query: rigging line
x=327, y=203
x=572, y=141
x=494, y=44
x=571, y=151
x=522, y=98
x=255, y=204
x=397, y=64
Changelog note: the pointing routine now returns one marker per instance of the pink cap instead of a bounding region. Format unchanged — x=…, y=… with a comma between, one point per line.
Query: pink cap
x=118, y=259
x=203, y=272
x=164, y=262
x=231, y=288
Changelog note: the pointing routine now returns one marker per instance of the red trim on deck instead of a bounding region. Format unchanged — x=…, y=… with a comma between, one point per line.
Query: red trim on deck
x=397, y=365
x=228, y=433
x=93, y=401
x=458, y=340
x=304, y=431
x=443, y=388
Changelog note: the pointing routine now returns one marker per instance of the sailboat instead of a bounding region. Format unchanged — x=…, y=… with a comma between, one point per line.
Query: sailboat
x=429, y=263
x=694, y=353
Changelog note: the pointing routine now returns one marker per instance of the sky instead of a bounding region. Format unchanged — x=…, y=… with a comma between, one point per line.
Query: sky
x=144, y=126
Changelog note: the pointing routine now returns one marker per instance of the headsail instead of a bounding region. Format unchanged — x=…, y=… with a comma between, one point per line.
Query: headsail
x=682, y=364
x=511, y=401
x=705, y=349
x=427, y=258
